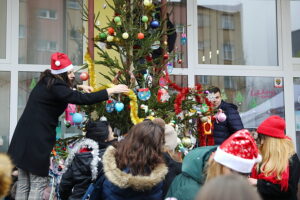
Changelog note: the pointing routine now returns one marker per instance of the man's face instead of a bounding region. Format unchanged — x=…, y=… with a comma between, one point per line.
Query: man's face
x=217, y=100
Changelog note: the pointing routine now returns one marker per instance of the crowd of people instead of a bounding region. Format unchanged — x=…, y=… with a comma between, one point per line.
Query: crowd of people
x=145, y=165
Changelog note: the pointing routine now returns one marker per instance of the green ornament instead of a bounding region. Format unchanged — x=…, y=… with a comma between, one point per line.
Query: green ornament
x=103, y=36
x=145, y=18
x=117, y=19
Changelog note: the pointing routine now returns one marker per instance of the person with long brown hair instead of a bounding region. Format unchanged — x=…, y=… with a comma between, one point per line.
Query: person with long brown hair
x=35, y=134
x=277, y=176
x=135, y=169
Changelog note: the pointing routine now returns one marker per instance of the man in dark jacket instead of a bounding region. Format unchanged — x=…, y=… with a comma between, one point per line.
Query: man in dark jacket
x=222, y=130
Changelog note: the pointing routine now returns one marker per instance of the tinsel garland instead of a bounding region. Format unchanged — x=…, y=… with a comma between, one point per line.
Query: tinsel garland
x=91, y=71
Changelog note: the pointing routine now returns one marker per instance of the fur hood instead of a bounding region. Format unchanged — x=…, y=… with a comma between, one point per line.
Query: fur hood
x=125, y=180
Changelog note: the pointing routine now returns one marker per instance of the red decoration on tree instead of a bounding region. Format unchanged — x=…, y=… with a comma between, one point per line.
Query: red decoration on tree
x=111, y=31
x=166, y=56
x=84, y=76
x=140, y=36
x=179, y=61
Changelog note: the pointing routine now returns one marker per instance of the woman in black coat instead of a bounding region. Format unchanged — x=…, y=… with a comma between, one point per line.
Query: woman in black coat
x=34, y=136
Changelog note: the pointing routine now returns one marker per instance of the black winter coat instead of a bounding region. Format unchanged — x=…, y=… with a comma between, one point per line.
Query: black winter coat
x=34, y=136
x=271, y=191
x=233, y=123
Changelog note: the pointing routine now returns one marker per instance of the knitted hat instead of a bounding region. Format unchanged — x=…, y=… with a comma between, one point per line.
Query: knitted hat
x=170, y=137
x=97, y=130
x=273, y=126
x=239, y=152
x=60, y=63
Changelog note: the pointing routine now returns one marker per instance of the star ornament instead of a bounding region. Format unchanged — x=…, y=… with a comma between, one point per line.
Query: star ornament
x=211, y=97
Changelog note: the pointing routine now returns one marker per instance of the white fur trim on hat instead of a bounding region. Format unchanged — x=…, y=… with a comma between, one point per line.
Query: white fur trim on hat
x=60, y=71
x=234, y=162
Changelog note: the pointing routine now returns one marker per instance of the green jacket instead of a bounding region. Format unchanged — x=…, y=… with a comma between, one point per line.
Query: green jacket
x=186, y=185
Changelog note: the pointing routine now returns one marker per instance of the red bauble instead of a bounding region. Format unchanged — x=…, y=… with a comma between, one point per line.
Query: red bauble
x=140, y=36
x=110, y=31
x=166, y=56
x=179, y=61
x=149, y=58
x=84, y=76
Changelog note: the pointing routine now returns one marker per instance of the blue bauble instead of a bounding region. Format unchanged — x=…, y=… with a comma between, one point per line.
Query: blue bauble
x=144, y=94
x=110, y=107
x=154, y=24
x=77, y=118
x=119, y=106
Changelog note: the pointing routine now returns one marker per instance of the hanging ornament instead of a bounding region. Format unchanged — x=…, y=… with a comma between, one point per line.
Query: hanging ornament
x=110, y=38
x=183, y=39
x=154, y=24
x=149, y=58
x=204, y=108
x=145, y=19
x=119, y=106
x=147, y=3
x=111, y=31
x=162, y=81
x=102, y=36
x=220, y=117
x=155, y=45
x=69, y=111
x=179, y=61
x=116, y=39
x=110, y=105
x=170, y=67
x=144, y=107
x=165, y=43
x=186, y=141
x=84, y=76
x=117, y=19
x=166, y=56
x=104, y=6
x=144, y=94
x=140, y=36
x=125, y=35
x=77, y=118
x=163, y=95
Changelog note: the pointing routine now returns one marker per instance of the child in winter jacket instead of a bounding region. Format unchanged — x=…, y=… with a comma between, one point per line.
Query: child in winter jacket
x=83, y=163
x=277, y=176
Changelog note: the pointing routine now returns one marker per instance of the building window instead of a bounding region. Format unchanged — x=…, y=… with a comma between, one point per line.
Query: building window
x=203, y=20
x=74, y=4
x=48, y=14
x=227, y=22
x=295, y=26
x=228, y=51
x=44, y=45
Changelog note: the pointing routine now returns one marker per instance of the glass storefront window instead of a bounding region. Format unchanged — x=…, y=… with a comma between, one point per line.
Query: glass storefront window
x=256, y=97
x=297, y=111
x=3, y=19
x=47, y=27
x=237, y=32
x=27, y=81
x=178, y=42
x=4, y=110
x=295, y=27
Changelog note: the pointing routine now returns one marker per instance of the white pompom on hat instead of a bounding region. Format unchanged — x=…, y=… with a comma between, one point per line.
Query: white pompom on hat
x=60, y=63
x=170, y=137
x=239, y=152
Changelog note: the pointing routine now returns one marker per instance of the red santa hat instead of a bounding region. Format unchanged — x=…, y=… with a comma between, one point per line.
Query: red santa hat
x=273, y=126
x=60, y=63
x=239, y=152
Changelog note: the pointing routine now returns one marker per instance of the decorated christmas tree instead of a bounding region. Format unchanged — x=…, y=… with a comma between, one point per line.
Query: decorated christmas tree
x=143, y=37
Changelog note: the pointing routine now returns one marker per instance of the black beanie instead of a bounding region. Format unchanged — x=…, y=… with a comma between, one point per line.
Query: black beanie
x=97, y=130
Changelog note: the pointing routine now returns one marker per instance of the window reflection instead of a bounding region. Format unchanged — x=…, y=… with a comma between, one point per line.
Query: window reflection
x=3, y=29
x=256, y=97
x=295, y=26
x=47, y=27
x=4, y=110
x=237, y=32
x=297, y=110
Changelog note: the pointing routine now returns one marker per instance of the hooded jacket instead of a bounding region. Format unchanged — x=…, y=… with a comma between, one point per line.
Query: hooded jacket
x=233, y=123
x=81, y=168
x=120, y=184
x=187, y=184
